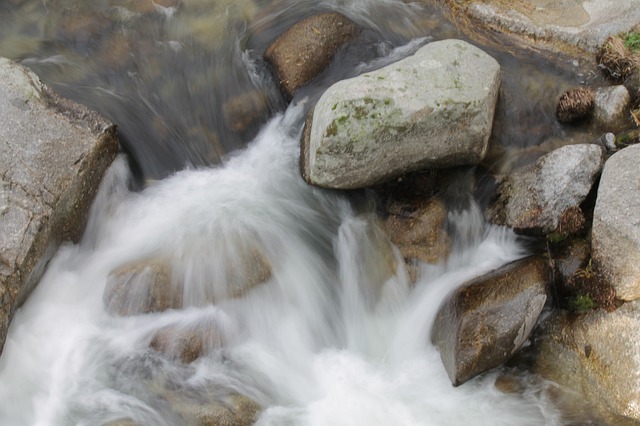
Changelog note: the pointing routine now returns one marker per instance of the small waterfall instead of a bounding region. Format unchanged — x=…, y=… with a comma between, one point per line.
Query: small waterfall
x=334, y=335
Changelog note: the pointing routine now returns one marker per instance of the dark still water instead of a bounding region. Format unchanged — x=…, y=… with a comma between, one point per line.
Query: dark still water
x=186, y=84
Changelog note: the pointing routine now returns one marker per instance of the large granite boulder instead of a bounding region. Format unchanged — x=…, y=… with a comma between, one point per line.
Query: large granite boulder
x=596, y=355
x=485, y=321
x=616, y=230
x=307, y=48
x=533, y=199
x=53, y=154
x=431, y=110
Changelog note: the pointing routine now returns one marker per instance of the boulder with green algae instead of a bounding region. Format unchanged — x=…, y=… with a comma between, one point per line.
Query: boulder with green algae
x=433, y=109
x=53, y=154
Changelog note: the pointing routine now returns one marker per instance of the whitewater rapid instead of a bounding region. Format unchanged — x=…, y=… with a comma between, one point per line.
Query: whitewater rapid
x=326, y=340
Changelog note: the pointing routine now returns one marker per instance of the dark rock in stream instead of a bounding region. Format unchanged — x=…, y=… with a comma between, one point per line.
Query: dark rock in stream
x=53, y=154
x=485, y=321
x=307, y=48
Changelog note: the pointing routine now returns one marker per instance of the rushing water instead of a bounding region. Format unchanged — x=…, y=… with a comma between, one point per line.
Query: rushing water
x=336, y=335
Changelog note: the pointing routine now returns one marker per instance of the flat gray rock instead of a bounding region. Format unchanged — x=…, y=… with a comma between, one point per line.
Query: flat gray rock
x=53, y=154
x=615, y=237
x=571, y=26
x=431, y=110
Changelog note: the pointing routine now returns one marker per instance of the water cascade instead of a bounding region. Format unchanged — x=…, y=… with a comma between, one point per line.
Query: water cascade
x=331, y=333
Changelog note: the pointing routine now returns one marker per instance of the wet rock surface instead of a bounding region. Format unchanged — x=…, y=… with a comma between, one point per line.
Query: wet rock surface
x=231, y=410
x=533, y=199
x=307, y=48
x=431, y=110
x=142, y=287
x=596, y=355
x=186, y=343
x=53, y=154
x=418, y=230
x=485, y=321
x=616, y=229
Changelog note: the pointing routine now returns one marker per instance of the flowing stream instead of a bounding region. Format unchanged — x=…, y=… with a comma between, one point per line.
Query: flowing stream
x=336, y=335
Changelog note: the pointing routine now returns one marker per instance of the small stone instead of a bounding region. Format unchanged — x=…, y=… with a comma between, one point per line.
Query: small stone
x=611, y=106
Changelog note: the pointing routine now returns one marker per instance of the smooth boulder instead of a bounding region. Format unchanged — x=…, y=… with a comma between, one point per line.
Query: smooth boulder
x=533, y=199
x=433, y=109
x=486, y=320
x=53, y=154
x=307, y=48
x=596, y=355
x=616, y=229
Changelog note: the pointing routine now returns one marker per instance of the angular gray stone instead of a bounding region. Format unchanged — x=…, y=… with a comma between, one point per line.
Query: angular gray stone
x=611, y=106
x=431, y=110
x=485, y=321
x=53, y=154
x=615, y=237
x=531, y=200
x=596, y=356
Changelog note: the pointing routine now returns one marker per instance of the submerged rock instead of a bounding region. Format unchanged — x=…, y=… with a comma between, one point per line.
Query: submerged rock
x=532, y=200
x=187, y=343
x=307, y=48
x=431, y=110
x=231, y=410
x=53, y=154
x=245, y=110
x=142, y=287
x=596, y=355
x=418, y=230
x=616, y=230
x=485, y=321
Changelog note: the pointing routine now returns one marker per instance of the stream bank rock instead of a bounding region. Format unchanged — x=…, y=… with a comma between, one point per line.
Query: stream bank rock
x=597, y=355
x=570, y=26
x=53, y=154
x=307, y=48
x=431, y=110
x=485, y=321
x=616, y=228
x=532, y=200
x=611, y=107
